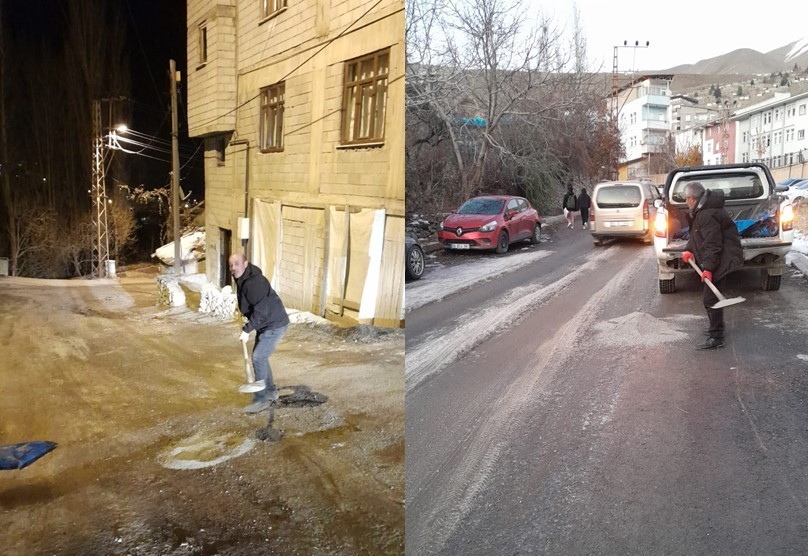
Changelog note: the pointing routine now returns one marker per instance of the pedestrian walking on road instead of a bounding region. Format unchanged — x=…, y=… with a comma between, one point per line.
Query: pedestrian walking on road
x=714, y=244
x=267, y=316
x=570, y=205
x=584, y=202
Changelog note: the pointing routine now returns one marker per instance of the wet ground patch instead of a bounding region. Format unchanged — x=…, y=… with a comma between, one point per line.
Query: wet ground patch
x=301, y=396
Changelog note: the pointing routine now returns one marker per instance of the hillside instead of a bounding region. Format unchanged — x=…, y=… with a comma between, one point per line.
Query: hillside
x=749, y=61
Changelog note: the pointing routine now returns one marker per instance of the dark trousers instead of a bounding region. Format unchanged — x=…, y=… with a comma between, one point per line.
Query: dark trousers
x=716, y=316
x=585, y=215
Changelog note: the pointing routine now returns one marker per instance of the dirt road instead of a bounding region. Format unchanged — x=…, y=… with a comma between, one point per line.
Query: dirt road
x=154, y=455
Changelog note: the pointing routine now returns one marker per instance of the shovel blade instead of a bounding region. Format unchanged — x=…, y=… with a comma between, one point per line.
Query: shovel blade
x=727, y=302
x=252, y=387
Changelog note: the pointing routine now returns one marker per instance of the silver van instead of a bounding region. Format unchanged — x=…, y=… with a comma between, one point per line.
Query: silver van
x=623, y=209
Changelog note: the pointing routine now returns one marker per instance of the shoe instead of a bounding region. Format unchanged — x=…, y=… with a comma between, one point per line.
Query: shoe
x=712, y=343
x=272, y=395
x=257, y=407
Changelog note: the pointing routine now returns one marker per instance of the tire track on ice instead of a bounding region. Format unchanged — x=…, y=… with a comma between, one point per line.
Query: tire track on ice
x=446, y=345
x=455, y=494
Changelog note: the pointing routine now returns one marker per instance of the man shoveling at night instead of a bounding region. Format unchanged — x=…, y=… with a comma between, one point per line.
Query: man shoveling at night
x=267, y=316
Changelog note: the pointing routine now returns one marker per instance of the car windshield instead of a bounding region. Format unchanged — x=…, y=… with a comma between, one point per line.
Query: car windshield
x=734, y=186
x=619, y=196
x=481, y=206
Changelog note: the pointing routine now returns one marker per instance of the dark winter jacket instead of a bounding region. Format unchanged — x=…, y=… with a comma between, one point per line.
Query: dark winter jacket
x=573, y=202
x=259, y=302
x=714, y=236
x=584, y=201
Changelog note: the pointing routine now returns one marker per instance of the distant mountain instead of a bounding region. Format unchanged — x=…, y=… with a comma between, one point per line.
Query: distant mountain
x=749, y=61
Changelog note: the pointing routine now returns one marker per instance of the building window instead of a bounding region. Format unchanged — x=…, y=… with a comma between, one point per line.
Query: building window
x=791, y=111
x=744, y=157
x=203, y=44
x=271, y=127
x=777, y=115
x=802, y=110
x=789, y=135
x=365, y=98
x=801, y=134
x=777, y=137
x=743, y=140
x=268, y=8
x=767, y=118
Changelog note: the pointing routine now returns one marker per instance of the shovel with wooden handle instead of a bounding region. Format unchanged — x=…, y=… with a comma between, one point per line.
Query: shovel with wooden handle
x=252, y=385
x=723, y=301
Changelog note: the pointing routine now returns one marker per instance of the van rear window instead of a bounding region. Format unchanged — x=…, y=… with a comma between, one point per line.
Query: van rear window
x=734, y=186
x=619, y=196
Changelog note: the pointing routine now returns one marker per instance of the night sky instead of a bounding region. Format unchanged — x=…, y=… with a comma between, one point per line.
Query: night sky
x=155, y=33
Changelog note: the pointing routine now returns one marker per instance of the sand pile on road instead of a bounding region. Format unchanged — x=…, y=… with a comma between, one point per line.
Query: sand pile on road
x=637, y=329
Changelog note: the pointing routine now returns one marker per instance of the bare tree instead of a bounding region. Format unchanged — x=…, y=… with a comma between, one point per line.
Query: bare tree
x=510, y=105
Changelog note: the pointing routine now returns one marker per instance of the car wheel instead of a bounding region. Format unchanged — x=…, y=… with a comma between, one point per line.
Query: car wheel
x=502, y=242
x=598, y=241
x=771, y=283
x=536, y=237
x=667, y=286
x=415, y=262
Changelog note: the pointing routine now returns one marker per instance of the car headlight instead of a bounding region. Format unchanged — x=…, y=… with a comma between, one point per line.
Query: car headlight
x=490, y=227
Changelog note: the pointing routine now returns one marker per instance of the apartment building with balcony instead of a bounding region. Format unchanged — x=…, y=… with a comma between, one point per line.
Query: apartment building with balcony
x=773, y=131
x=643, y=117
x=301, y=106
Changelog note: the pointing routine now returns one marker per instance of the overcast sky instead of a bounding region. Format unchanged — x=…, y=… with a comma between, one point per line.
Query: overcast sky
x=681, y=32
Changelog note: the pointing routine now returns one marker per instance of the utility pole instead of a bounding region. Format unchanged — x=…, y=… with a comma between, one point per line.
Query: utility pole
x=100, y=253
x=175, y=165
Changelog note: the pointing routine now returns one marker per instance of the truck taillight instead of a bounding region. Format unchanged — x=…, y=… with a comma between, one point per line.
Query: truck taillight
x=787, y=218
x=592, y=214
x=661, y=224
x=645, y=214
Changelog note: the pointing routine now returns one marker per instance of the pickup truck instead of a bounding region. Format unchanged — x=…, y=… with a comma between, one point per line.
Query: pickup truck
x=764, y=220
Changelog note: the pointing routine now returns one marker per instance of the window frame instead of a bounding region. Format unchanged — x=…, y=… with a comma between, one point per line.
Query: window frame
x=350, y=138
x=203, y=45
x=265, y=103
x=266, y=12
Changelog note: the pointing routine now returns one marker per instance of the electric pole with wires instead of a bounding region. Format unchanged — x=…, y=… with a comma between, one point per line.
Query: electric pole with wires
x=98, y=190
x=175, y=167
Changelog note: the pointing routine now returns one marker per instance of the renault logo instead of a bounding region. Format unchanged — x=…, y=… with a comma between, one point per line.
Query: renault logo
x=459, y=232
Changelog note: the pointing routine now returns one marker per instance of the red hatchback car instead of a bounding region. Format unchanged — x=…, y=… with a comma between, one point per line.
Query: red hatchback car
x=492, y=222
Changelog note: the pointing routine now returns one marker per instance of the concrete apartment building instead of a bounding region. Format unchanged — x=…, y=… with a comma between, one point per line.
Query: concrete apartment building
x=643, y=117
x=301, y=105
x=774, y=132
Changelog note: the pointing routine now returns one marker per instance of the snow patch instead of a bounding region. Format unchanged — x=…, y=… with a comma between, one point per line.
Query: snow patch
x=802, y=356
x=197, y=452
x=449, y=280
x=219, y=303
x=169, y=291
x=800, y=47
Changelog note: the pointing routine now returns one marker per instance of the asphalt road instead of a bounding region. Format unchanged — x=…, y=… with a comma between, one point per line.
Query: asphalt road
x=563, y=409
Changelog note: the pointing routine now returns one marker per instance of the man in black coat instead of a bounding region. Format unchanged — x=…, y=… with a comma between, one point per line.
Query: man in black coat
x=714, y=243
x=267, y=316
x=584, y=202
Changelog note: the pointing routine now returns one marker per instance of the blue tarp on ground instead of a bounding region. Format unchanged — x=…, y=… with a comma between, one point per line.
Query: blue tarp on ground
x=17, y=456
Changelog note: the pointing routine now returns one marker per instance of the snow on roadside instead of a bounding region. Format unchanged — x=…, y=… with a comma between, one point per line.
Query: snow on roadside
x=443, y=282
